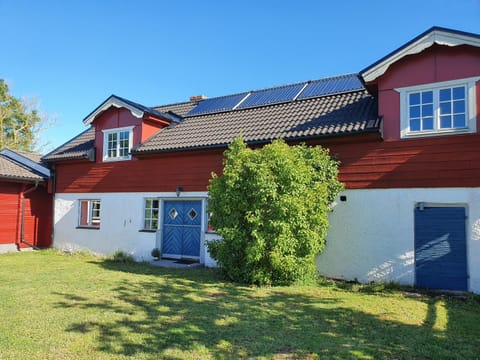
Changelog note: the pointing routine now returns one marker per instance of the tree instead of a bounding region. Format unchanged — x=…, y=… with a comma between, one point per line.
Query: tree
x=271, y=208
x=20, y=121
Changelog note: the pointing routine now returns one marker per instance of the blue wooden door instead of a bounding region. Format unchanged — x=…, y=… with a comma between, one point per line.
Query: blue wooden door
x=440, y=248
x=182, y=228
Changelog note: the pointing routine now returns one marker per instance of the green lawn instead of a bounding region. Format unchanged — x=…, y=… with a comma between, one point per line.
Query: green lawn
x=55, y=306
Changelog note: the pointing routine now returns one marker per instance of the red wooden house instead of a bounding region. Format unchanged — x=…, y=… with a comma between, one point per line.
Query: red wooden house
x=405, y=130
x=26, y=206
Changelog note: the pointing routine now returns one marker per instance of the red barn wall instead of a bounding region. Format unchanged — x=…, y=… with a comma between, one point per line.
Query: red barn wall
x=435, y=64
x=9, y=212
x=448, y=161
x=156, y=173
x=38, y=215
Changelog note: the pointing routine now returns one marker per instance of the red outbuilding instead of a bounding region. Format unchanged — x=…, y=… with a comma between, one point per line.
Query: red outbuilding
x=25, y=202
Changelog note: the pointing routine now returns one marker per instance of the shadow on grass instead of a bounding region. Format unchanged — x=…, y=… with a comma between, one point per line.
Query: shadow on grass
x=192, y=314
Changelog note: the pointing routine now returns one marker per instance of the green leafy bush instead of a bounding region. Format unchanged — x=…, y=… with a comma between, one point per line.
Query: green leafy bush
x=271, y=208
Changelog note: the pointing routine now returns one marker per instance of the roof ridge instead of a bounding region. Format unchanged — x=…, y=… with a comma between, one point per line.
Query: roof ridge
x=172, y=104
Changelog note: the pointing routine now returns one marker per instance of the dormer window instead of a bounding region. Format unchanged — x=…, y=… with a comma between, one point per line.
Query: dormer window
x=117, y=144
x=438, y=109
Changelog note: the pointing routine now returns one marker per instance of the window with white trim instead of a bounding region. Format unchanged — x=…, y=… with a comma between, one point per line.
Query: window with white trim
x=89, y=213
x=117, y=144
x=438, y=109
x=151, y=212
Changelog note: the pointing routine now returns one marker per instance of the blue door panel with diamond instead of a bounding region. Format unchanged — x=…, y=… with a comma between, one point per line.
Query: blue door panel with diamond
x=181, y=228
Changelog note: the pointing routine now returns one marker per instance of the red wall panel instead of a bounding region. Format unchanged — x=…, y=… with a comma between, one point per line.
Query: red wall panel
x=449, y=161
x=38, y=215
x=9, y=212
x=161, y=173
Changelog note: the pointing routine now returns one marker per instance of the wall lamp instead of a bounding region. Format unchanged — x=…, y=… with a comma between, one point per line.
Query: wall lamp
x=179, y=190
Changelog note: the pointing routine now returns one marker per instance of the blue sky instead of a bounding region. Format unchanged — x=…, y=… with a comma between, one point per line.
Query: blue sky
x=72, y=55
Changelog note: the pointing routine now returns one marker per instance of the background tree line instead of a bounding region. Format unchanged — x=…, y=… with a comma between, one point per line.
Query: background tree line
x=20, y=122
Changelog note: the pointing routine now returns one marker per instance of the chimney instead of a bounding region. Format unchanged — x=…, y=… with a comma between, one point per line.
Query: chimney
x=197, y=98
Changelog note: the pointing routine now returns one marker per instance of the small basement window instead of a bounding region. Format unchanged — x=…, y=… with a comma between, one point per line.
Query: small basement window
x=89, y=213
x=438, y=109
x=117, y=144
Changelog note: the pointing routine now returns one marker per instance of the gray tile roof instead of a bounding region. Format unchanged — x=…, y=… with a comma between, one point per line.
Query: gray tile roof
x=338, y=114
x=80, y=147
x=17, y=167
x=341, y=114
x=181, y=109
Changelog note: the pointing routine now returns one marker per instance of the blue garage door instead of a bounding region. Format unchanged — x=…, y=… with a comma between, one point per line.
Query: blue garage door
x=181, y=228
x=440, y=248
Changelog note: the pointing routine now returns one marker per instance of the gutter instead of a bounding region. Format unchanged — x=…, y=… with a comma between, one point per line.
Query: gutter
x=22, y=212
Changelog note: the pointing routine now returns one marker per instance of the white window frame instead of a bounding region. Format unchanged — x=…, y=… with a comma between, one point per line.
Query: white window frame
x=145, y=218
x=470, y=108
x=106, y=133
x=92, y=221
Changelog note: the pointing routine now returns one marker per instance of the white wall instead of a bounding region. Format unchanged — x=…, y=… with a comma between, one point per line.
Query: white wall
x=371, y=235
x=121, y=221
x=5, y=248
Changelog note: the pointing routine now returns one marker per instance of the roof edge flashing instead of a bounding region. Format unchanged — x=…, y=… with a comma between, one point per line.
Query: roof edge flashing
x=115, y=102
x=438, y=36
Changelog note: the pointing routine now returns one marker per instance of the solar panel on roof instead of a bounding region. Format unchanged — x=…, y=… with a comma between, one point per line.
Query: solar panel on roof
x=218, y=104
x=330, y=86
x=272, y=96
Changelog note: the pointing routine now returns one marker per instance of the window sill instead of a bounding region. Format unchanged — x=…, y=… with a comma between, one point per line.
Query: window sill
x=147, y=231
x=88, y=227
x=436, y=133
x=113, y=159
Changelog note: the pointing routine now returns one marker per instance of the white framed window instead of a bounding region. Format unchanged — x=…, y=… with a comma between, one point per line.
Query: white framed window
x=441, y=108
x=89, y=211
x=117, y=144
x=152, y=207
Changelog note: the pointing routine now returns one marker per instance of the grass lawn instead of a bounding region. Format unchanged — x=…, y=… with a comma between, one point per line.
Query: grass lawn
x=56, y=306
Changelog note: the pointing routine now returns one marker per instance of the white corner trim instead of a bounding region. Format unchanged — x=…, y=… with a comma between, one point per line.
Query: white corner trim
x=435, y=37
x=113, y=101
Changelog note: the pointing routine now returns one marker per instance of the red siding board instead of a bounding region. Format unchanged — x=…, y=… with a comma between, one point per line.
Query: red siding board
x=448, y=161
x=161, y=173
x=38, y=215
x=9, y=214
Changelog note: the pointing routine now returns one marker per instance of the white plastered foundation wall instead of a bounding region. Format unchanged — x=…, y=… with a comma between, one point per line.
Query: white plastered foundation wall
x=122, y=217
x=371, y=234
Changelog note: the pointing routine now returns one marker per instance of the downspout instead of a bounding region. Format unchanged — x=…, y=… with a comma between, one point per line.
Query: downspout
x=22, y=224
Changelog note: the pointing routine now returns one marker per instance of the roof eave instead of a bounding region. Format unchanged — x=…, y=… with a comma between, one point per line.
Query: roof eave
x=87, y=155
x=23, y=179
x=435, y=35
